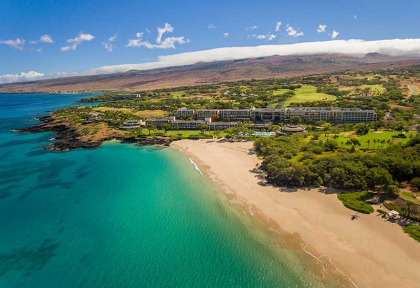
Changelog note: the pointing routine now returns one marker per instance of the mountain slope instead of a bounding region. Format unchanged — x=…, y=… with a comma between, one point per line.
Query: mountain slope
x=201, y=73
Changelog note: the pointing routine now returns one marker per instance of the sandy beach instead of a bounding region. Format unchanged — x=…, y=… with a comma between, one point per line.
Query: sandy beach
x=369, y=250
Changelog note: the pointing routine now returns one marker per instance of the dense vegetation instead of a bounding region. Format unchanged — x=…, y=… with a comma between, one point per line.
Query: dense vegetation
x=297, y=161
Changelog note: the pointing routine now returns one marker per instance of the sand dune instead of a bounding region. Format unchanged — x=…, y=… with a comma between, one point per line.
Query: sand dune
x=370, y=251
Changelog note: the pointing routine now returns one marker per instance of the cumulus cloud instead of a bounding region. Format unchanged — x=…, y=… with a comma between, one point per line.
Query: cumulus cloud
x=16, y=44
x=334, y=34
x=43, y=39
x=355, y=47
x=354, y=16
x=321, y=28
x=24, y=76
x=168, y=42
x=269, y=36
x=292, y=32
x=75, y=42
x=211, y=26
x=225, y=34
x=278, y=24
x=167, y=28
x=253, y=27
x=108, y=44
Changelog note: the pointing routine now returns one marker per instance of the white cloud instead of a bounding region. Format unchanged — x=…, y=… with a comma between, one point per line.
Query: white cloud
x=253, y=27
x=168, y=42
x=394, y=47
x=16, y=44
x=334, y=34
x=278, y=24
x=75, y=42
x=24, y=76
x=355, y=16
x=168, y=28
x=321, y=28
x=355, y=47
x=43, y=39
x=225, y=34
x=269, y=36
x=292, y=32
x=211, y=26
x=108, y=44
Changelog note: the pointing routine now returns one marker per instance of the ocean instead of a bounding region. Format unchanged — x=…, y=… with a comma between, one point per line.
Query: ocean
x=120, y=216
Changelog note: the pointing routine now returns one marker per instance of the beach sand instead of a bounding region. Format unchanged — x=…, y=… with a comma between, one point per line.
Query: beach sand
x=369, y=250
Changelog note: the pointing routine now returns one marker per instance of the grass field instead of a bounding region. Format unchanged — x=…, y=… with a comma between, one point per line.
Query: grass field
x=280, y=91
x=177, y=94
x=183, y=133
x=380, y=135
x=354, y=201
x=103, y=109
x=374, y=89
x=151, y=113
x=413, y=231
x=307, y=93
x=143, y=113
x=409, y=197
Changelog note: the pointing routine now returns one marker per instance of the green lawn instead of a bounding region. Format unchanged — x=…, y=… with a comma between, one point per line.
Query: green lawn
x=409, y=197
x=184, y=133
x=354, y=201
x=413, y=231
x=177, y=94
x=280, y=91
x=307, y=93
x=380, y=135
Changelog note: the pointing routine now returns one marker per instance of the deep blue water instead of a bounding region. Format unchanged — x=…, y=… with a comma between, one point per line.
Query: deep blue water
x=118, y=216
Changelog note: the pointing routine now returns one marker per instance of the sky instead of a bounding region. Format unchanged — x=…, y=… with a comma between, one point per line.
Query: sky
x=43, y=39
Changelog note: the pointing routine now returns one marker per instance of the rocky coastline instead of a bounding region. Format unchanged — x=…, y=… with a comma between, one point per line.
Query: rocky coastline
x=68, y=138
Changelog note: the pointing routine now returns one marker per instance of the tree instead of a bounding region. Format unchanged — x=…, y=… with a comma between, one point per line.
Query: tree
x=392, y=189
x=361, y=129
x=378, y=176
x=166, y=127
x=415, y=182
x=150, y=127
x=202, y=127
x=295, y=120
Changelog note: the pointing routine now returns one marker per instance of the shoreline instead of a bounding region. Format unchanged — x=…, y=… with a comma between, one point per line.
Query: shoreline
x=366, y=252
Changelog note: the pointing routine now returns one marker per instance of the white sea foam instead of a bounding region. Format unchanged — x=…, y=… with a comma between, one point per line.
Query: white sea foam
x=196, y=167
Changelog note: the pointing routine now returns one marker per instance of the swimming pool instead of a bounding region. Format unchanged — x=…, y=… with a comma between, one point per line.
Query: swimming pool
x=259, y=134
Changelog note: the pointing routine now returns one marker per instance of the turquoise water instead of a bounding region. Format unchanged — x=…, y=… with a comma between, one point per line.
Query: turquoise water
x=118, y=216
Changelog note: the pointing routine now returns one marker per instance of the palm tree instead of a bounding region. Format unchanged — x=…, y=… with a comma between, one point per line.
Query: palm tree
x=368, y=142
x=409, y=208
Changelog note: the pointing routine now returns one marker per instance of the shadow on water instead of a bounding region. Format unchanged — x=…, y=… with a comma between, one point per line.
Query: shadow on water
x=28, y=260
x=12, y=143
x=7, y=192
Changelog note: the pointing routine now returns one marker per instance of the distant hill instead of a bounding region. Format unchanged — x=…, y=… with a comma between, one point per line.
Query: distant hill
x=213, y=72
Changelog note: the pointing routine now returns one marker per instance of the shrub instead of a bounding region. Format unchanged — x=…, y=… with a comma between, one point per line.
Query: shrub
x=382, y=212
x=354, y=201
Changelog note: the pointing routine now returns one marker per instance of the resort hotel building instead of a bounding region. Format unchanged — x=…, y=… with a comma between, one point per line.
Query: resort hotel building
x=189, y=124
x=306, y=114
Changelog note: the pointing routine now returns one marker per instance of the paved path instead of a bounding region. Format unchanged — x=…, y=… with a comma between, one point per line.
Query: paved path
x=413, y=90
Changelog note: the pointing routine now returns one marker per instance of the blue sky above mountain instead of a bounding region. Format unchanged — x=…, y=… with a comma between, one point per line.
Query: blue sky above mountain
x=41, y=39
